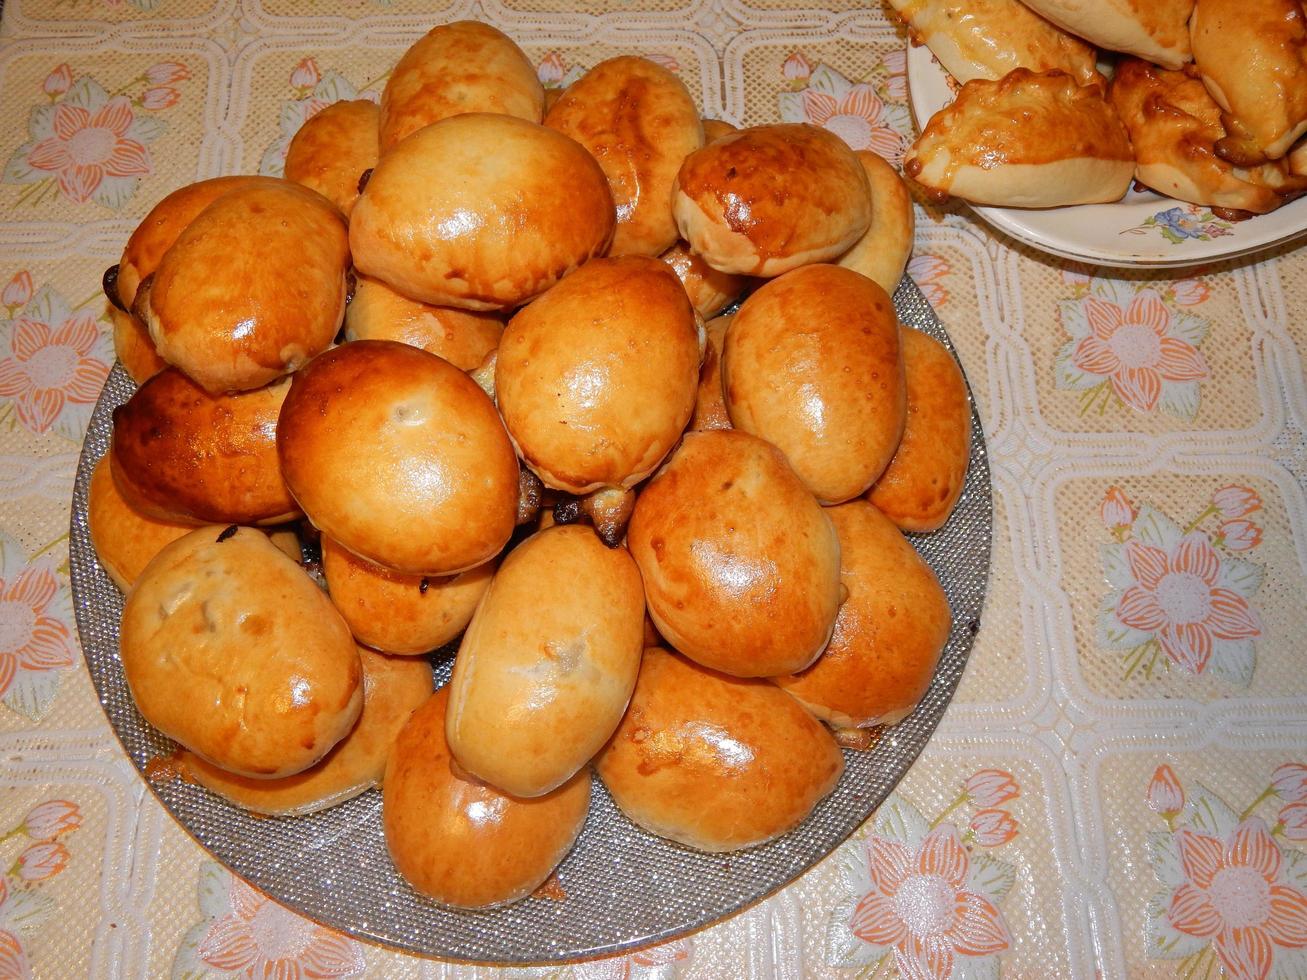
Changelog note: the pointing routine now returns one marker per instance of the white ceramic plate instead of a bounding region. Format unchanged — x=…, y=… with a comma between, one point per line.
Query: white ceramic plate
x=1143, y=229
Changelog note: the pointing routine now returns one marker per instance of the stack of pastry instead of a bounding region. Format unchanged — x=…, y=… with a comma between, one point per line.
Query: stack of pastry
x=461, y=350
x=1205, y=102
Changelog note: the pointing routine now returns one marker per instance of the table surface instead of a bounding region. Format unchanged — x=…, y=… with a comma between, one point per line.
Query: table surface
x=1119, y=787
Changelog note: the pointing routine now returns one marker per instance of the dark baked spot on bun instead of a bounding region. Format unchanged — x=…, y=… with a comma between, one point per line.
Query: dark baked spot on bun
x=109, y=282
x=364, y=178
x=228, y=532
x=424, y=585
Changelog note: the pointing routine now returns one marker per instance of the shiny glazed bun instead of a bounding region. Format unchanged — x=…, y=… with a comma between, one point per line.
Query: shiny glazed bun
x=710, y=291
x=289, y=684
x=714, y=762
x=882, y=253
x=124, y=539
x=740, y=564
x=889, y=633
x=1155, y=30
x=715, y=128
x=133, y=346
x=400, y=457
x=461, y=337
x=764, y=200
x=710, y=406
x=330, y=152
x=464, y=843
x=596, y=379
x=481, y=211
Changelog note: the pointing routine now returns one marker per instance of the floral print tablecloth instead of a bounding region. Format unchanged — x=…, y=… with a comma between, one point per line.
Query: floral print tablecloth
x=1120, y=786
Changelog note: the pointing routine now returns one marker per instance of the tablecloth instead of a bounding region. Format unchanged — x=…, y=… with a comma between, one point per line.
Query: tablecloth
x=1120, y=786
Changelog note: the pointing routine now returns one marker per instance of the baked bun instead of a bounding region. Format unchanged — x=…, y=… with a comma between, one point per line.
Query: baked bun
x=714, y=128
x=889, y=633
x=1155, y=30
x=812, y=364
x=180, y=453
x=393, y=688
x=132, y=344
x=456, y=68
x=398, y=613
x=923, y=482
x=1298, y=159
x=1253, y=59
x=543, y=675
x=989, y=38
x=764, y=200
x=596, y=379
x=710, y=406
x=710, y=291
x=462, y=337
x=400, y=457
x=1028, y=141
x=438, y=224
x=882, y=253
x=253, y=287
x=1175, y=127
x=230, y=649
x=637, y=119
x=714, y=762
x=740, y=564
x=124, y=540
x=464, y=843
x=331, y=151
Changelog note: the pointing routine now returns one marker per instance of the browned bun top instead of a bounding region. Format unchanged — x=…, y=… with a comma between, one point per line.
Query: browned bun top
x=710, y=291
x=330, y=152
x=132, y=344
x=124, y=539
x=462, y=337
x=715, y=762
x=457, y=68
x=740, y=564
x=464, y=843
x=400, y=457
x=710, y=406
x=716, y=128
x=181, y=453
x=253, y=287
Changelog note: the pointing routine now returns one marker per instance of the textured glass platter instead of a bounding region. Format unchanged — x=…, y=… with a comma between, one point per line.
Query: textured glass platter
x=624, y=888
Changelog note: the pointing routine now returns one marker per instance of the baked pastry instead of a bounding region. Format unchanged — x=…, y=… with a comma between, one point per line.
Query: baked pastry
x=460, y=841
x=1028, y=141
x=1155, y=30
x=455, y=68
x=398, y=613
x=710, y=405
x=252, y=288
x=637, y=119
x=124, y=539
x=710, y=291
x=333, y=149
x=462, y=337
x=400, y=457
x=441, y=226
x=989, y=38
x=882, y=253
x=1298, y=159
x=889, y=633
x=1175, y=127
x=713, y=128
x=764, y=200
x=182, y=454
x=231, y=649
x=393, y=688
x=543, y=676
x=596, y=379
x=714, y=762
x=740, y=564
x=132, y=344
x=812, y=364
x=1253, y=59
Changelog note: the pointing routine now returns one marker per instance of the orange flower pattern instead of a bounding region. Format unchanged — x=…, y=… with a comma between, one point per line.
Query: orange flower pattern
x=36, y=642
x=23, y=906
x=868, y=114
x=313, y=90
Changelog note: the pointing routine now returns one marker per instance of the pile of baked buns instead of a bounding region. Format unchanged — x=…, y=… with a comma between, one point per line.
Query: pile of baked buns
x=1200, y=100
x=456, y=363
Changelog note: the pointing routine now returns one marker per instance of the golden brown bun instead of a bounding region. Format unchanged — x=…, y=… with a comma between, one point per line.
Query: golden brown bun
x=440, y=224
x=1253, y=59
x=393, y=688
x=253, y=287
x=460, y=841
x=638, y=120
x=124, y=539
x=596, y=379
x=231, y=650
x=989, y=38
x=889, y=633
x=740, y=564
x=331, y=151
x=1028, y=141
x=715, y=128
x=457, y=68
x=882, y=253
x=922, y=483
x=764, y=200
x=1298, y=159
x=132, y=344
x=400, y=457
x=1175, y=127
x=462, y=337
x=715, y=762
x=398, y=613
x=180, y=453
x=812, y=364
x=1155, y=30
x=710, y=291
x=547, y=666
x=710, y=406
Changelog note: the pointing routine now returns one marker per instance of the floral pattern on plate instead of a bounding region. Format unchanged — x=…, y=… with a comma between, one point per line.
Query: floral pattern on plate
x=1180, y=223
